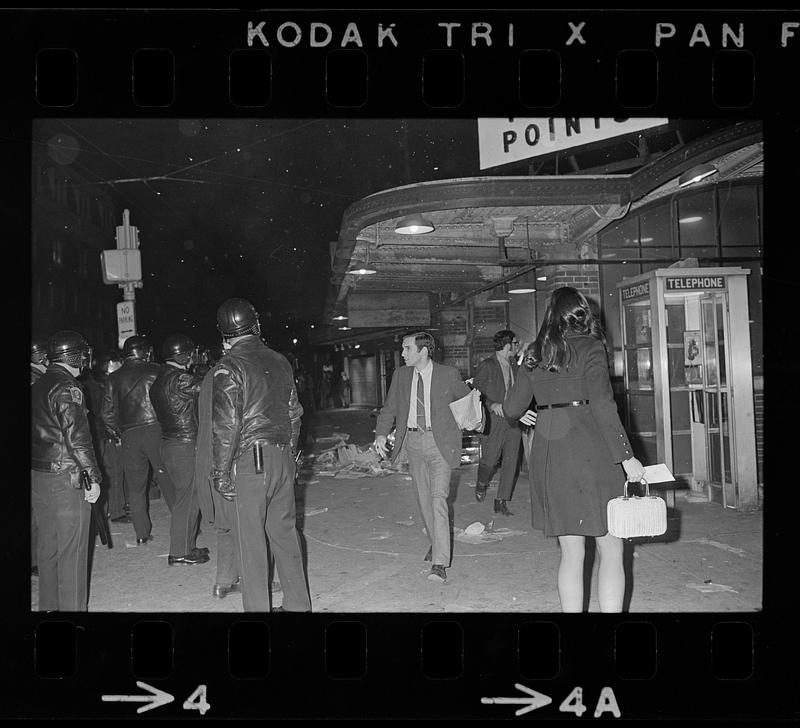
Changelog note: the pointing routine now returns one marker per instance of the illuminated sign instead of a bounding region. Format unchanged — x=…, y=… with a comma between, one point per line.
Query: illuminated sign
x=501, y=141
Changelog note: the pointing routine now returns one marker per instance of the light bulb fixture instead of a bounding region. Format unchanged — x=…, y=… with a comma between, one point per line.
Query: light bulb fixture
x=345, y=328
x=340, y=317
x=522, y=285
x=521, y=288
x=357, y=268
x=541, y=278
x=414, y=224
x=695, y=174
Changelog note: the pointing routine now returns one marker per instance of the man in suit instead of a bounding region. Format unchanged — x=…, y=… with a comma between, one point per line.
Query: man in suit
x=502, y=437
x=418, y=404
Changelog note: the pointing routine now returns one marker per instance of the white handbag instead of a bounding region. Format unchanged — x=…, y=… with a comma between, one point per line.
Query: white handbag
x=630, y=516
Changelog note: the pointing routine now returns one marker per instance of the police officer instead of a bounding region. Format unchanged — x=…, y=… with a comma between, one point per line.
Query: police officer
x=255, y=426
x=38, y=367
x=106, y=443
x=174, y=397
x=38, y=358
x=129, y=414
x=61, y=448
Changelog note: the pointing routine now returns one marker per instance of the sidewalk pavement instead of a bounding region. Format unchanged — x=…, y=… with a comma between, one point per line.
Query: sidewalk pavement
x=365, y=545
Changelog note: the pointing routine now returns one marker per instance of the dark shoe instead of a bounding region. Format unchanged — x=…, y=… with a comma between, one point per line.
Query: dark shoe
x=429, y=555
x=220, y=592
x=143, y=541
x=190, y=558
x=34, y=571
x=201, y=550
x=124, y=518
x=480, y=492
x=277, y=609
x=501, y=507
x=437, y=573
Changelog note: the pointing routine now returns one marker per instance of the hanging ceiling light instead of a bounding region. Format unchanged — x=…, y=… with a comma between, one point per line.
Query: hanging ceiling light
x=414, y=224
x=522, y=285
x=696, y=173
x=340, y=317
x=498, y=295
x=361, y=269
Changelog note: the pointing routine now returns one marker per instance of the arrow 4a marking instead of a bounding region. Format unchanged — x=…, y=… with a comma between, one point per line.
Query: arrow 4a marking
x=156, y=699
x=536, y=700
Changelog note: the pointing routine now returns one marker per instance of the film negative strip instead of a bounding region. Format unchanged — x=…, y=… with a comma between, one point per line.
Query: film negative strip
x=383, y=642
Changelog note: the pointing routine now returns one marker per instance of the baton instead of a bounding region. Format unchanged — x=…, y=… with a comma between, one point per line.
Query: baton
x=97, y=517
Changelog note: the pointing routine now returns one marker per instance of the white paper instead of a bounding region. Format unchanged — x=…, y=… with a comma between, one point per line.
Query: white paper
x=658, y=473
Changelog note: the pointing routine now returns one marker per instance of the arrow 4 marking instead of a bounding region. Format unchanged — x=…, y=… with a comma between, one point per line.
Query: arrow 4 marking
x=537, y=700
x=156, y=700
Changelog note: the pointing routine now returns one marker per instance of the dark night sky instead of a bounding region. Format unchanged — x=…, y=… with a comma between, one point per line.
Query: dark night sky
x=249, y=207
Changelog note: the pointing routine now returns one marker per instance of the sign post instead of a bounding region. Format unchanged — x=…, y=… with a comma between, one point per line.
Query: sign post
x=123, y=267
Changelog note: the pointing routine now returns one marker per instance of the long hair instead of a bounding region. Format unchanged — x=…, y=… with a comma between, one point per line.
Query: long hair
x=568, y=312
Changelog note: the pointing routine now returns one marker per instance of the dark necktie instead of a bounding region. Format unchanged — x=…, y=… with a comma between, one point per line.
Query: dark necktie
x=420, y=403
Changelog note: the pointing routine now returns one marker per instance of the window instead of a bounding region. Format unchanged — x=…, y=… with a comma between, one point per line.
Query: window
x=738, y=216
x=685, y=227
x=696, y=223
x=655, y=228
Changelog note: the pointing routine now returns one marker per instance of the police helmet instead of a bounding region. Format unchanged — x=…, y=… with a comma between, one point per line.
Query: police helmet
x=111, y=362
x=70, y=348
x=39, y=350
x=237, y=317
x=178, y=348
x=137, y=347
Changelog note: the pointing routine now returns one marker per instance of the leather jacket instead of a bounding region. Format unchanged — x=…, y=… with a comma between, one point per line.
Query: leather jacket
x=36, y=373
x=174, y=398
x=126, y=403
x=254, y=399
x=60, y=437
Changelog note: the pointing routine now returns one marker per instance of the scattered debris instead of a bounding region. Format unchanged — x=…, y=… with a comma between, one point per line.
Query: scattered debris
x=314, y=511
x=709, y=587
x=481, y=534
x=381, y=535
x=718, y=545
x=343, y=460
x=408, y=522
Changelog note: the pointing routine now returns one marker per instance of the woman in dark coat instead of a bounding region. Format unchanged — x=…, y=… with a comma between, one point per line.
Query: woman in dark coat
x=578, y=445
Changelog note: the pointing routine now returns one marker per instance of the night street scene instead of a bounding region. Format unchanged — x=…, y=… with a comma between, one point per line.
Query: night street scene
x=397, y=365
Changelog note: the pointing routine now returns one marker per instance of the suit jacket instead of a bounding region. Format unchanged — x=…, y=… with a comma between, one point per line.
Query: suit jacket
x=489, y=380
x=446, y=387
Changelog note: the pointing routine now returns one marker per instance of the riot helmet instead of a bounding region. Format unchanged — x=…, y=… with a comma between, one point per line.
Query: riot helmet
x=111, y=362
x=39, y=350
x=178, y=348
x=70, y=348
x=137, y=347
x=237, y=317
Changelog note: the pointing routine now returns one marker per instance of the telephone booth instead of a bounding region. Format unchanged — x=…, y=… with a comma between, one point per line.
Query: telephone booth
x=688, y=378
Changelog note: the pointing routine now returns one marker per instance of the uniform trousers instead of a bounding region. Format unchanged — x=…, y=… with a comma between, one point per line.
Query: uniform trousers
x=228, y=568
x=431, y=474
x=62, y=516
x=178, y=458
x=141, y=448
x=265, y=509
x=113, y=488
x=501, y=443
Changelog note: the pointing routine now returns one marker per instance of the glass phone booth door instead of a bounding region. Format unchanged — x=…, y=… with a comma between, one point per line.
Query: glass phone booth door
x=716, y=395
x=688, y=379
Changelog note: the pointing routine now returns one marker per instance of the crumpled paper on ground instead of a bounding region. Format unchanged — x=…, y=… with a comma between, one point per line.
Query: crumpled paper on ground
x=478, y=533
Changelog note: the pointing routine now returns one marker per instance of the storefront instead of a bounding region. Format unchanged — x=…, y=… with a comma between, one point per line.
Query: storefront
x=492, y=249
